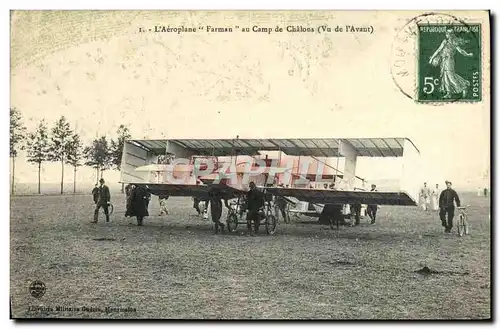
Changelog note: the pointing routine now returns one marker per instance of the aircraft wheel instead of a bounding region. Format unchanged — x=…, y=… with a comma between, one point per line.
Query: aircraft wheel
x=271, y=224
x=462, y=226
x=232, y=222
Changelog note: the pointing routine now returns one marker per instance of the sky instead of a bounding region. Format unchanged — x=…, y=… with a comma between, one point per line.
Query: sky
x=96, y=69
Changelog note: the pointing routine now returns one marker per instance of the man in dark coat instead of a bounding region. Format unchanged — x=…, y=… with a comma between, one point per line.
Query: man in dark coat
x=138, y=204
x=216, y=210
x=447, y=207
x=95, y=194
x=128, y=193
x=255, y=200
x=356, y=212
x=103, y=201
x=280, y=204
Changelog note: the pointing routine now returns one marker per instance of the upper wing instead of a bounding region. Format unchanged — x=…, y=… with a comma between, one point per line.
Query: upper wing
x=343, y=197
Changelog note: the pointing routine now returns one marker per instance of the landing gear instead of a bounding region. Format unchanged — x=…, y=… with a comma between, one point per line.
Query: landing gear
x=271, y=223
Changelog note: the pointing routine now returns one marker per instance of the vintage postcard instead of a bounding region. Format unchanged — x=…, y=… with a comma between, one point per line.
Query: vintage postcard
x=250, y=165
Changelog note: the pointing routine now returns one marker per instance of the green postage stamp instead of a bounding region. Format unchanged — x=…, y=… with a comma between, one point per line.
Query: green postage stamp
x=449, y=63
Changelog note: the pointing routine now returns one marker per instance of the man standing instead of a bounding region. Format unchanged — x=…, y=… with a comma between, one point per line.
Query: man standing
x=163, y=204
x=138, y=204
x=255, y=201
x=425, y=196
x=280, y=207
x=356, y=211
x=434, y=198
x=216, y=211
x=95, y=194
x=371, y=209
x=103, y=201
x=447, y=206
x=196, y=205
x=129, y=189
x=148, y=196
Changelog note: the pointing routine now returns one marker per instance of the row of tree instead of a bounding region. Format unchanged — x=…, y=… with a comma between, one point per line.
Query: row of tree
x=62, y=144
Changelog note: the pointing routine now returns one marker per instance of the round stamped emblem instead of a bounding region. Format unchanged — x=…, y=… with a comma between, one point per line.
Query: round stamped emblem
x=37, y=289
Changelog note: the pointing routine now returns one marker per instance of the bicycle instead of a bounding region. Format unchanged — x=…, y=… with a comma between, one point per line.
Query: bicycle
x=463, y=224
x=267, y=218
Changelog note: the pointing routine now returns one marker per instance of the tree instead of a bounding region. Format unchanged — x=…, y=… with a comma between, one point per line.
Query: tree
x=75, y=156
x=98, y=155
x=38, y=147
x=17, y=137
x=117, y=147
x=60, y=144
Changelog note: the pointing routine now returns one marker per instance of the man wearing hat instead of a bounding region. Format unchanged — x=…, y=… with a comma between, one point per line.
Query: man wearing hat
x=447, y=207
x=372, y=208
x=102, y=201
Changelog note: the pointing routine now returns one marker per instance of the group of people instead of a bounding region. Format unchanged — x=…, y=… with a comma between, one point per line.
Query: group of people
x=254, y=201
x=371, y=209
x=138, y=199
x=429, y=199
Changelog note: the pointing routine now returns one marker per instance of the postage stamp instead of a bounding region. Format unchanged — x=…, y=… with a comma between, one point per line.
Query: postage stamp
x=449, y=62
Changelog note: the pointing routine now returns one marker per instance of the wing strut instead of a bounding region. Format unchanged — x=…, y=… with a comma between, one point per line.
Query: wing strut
x=339, y=171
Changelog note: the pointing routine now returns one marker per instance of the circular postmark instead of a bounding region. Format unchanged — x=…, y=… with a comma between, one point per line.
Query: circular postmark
x=416, y=70
x=37, y=288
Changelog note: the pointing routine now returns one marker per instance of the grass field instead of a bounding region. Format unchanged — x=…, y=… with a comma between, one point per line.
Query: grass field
x=175, y=267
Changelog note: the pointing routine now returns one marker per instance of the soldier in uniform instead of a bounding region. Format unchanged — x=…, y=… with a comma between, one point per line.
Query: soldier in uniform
x=447, y=206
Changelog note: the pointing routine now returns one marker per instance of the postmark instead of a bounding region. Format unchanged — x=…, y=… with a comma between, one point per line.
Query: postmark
x=37, y=289
x=436, y=59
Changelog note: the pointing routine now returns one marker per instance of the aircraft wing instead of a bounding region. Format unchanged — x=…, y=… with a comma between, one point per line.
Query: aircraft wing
x=344, y=197
x=191, y=190
x=199, y=191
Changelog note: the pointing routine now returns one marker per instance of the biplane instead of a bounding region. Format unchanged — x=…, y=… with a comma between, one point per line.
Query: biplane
x=228, y=165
